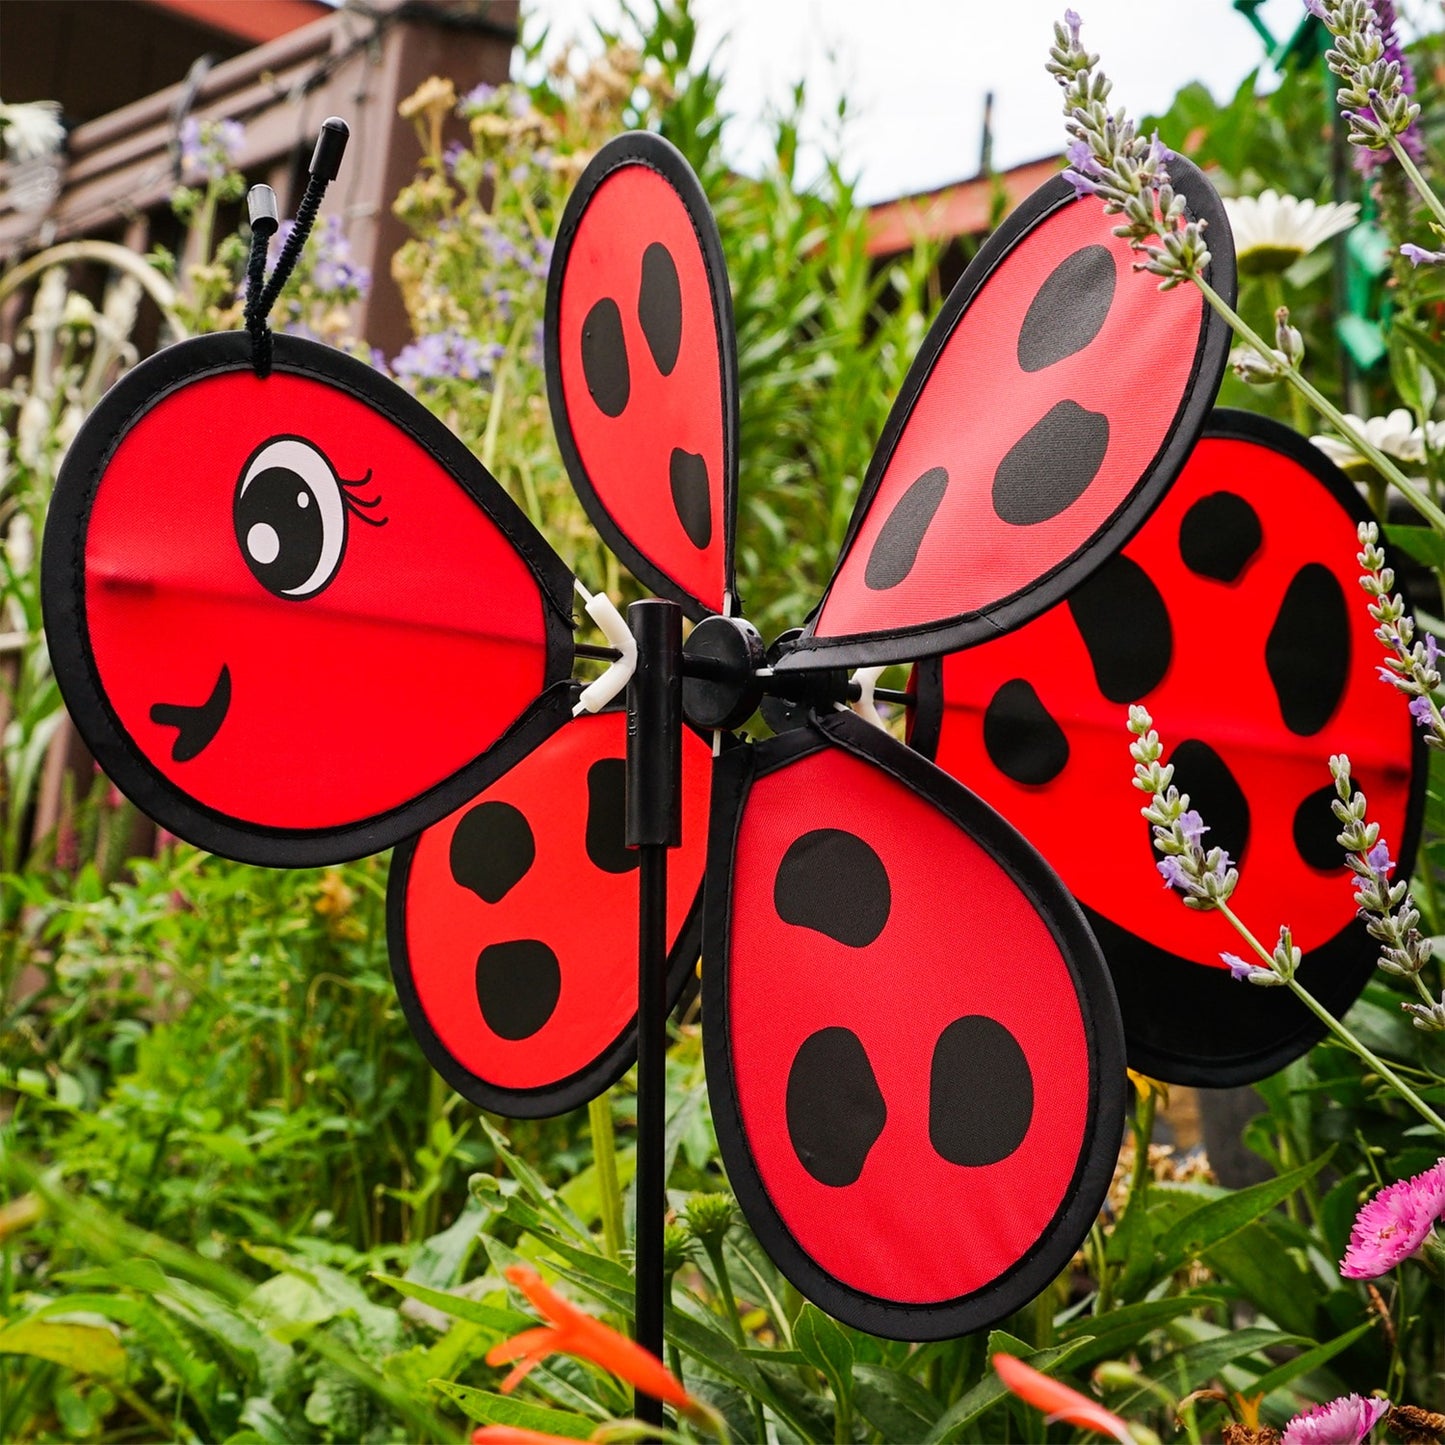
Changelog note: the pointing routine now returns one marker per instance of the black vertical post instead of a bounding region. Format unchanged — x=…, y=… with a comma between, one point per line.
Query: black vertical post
x=654, y=824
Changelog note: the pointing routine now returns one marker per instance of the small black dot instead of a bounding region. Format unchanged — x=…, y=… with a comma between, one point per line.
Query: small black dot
x=1125, y=627
x=518, y=985
x=659, y=306
x=604, y=358
x=1219, y=536
x=834, y=1107
x=1070, y=308
x=895, y=549
x=1316, y=831
x=834, y=883
x=1021, y=737
x=1214, y=794
x=492, y=849
x=980, y=1093
x=607, y=817
x=1051, y=466
x=1308, y=651
x=687, y=472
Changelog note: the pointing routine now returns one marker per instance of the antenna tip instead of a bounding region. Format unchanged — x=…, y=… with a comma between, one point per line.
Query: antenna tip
x=261, y=208
x=330, y=147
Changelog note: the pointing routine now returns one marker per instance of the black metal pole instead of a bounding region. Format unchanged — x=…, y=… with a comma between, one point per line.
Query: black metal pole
x=654, y=824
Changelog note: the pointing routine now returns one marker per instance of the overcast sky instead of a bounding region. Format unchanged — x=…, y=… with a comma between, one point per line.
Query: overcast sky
x=916, y=71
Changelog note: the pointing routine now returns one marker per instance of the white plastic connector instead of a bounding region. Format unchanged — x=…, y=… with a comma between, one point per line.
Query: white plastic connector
x=866, y=707
x=601, y=609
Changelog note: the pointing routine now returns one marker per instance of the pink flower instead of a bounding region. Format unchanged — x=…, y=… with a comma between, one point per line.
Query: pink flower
x=1345, y=1421
x=1393, y=1225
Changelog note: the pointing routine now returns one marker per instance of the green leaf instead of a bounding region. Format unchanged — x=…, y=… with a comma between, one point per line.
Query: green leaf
x=1216, y=1221
x=1424, y=544
x=990, y=1390
x=499, y=1321
x=1302, y=1364
x=1121, y=1330
x=288, y=1308
x=894, y=1404
x=487, y=1408
x=91, y=1349
x=826, y=1348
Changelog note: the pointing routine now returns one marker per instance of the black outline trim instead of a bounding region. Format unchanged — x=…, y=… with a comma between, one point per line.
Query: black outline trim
x=545, y=1100
x=63, y=604
x=651, y=151
x=732, y=780
x=1191, y=992
x=905, y=644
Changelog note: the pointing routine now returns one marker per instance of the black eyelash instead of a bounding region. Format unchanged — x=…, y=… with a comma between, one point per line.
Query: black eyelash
x=356, y=505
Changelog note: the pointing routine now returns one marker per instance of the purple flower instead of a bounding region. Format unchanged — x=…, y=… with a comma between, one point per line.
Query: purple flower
x=1071, y=19
x=1420, y=711
x=444, y=355
x=1379, y=857
x=1172, y=872
x=1416, y=254
x=1432, y=650
x=454, y=151
x=1345, y=1421
x=477, y=98
x=209, y=148
x=1316, y=8
x=1368, y=161
x=1082, y=185
x=1238, y=968
x=333, y=268
x=1192, y=826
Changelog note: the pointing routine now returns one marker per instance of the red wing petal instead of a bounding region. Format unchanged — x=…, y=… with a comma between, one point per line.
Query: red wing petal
x=642, y=369
x=1236, y=617
x=513, y=924
x=1056, y=396
x=294, y=618
x=913, y=1053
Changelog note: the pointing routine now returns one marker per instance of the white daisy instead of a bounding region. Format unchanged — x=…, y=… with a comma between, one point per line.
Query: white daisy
x=1396, y=435
x=31, y=129
x=1271, y=232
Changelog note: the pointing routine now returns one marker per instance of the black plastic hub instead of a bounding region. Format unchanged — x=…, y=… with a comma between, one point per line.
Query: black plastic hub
x=720, y=661
x=792, y=695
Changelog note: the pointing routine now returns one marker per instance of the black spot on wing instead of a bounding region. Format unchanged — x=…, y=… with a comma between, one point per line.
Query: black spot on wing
x=604, y=358
x=659, y=306
x=690, y=497
x=1021, y=737
x=980, y=1093
x=492, y=848
x=1308, y=651
x=607, y=817
x=1316, y=831
x=1070, y=308
x=1125, y=627
x=1051, y=466
x=834, y=1107
x=1219, y=536
x=518, y=985
x=895, y=549
x=1214, y=794
x=834, y=883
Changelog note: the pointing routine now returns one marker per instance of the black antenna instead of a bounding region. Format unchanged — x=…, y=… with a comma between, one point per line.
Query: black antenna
x=261, y=294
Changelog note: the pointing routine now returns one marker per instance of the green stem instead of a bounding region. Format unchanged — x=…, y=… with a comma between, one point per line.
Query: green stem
x=604, y=1157
x=1417, y=180
x=1298, y=412
x=1336, y=1027
x=1327, y=409
x=714, y=1247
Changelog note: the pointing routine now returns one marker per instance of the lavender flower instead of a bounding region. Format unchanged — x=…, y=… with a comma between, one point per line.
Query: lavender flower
x=209, y=148
x=479, y=97
x=1416, y=254
x=332, y=268
x=443, y=355
x=1368, y=162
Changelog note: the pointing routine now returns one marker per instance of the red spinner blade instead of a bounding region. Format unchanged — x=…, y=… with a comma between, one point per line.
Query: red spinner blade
x=642, y=369
x=1055, y=398
x=512, y=924
x=914, y=1057
x=1236, y=618
x=294, y=618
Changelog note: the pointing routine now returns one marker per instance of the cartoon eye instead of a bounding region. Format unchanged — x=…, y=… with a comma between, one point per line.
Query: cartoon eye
x=290, y=518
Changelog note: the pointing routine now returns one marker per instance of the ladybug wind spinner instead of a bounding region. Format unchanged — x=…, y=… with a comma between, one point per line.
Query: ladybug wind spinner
x=297, y=622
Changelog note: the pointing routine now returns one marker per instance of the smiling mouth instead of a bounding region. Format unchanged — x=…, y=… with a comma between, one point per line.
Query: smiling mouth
x=196, y=723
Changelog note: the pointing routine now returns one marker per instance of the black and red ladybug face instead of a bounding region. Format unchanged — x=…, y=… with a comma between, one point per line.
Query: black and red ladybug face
x=513, y=924
x=642, y=371
x=286, y=610
x=912, y=1049
x=1056, y=396
x=1236, y=617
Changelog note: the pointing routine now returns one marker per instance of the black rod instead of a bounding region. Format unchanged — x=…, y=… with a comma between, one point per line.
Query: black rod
x=654, y=824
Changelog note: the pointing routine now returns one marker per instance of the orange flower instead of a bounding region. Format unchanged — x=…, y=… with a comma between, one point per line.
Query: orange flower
x=574, y=1333
x=512, y=1435
x=1059, y=1400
